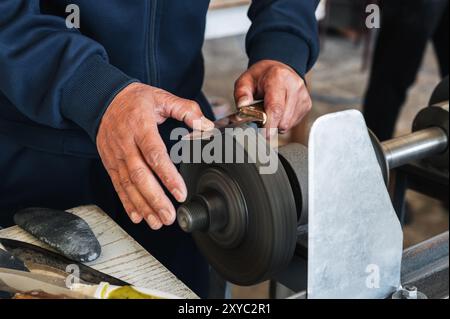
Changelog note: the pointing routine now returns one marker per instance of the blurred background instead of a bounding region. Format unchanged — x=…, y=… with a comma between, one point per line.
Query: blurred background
x=338, y=81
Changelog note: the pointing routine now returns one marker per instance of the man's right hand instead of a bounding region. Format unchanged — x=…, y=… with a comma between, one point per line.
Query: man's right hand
x=135, y=156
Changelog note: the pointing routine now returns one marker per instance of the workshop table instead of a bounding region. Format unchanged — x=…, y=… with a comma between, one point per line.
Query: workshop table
x=122, y=257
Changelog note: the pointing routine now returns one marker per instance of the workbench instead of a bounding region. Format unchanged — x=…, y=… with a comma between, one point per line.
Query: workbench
x=122, y=257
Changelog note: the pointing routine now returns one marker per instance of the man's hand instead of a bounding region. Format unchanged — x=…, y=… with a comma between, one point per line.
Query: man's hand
x=135, y=156
x=284, y=92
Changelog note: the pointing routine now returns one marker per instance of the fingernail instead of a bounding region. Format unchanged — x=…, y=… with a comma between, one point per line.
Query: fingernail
x=153, y=222
x=179, y=195
x=207, y=125
x=166, y=216
x=135, y=217
x=244, y=102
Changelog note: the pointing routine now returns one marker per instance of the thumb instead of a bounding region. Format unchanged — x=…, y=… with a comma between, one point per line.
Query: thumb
x=189, y=112
x=244, y=91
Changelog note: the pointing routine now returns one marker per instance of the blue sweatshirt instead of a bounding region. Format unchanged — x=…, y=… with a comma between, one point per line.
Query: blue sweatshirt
x=56, y=82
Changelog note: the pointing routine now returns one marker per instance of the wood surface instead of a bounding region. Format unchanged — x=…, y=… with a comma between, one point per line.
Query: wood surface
x=122, y=257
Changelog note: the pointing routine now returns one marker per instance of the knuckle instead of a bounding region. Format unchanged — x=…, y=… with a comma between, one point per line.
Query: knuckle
x=156, y=156
x=308, y=103
x=137, y=175
x=143, y=208
x=276, y=111
x=166, y=103
x=120, y=155
x=194, y=108
x=156, y=201
x=301, y=82
x=297, y=85
x=125, y=182
x=284, y=126
x=167, y=179
x=240, y=81
x=309, y=107
x=280, y=71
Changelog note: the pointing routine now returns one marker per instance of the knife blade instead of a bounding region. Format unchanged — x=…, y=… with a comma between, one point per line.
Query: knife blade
x=39, y=259
x=11, y=262
x=35, y=285
x=252, y=113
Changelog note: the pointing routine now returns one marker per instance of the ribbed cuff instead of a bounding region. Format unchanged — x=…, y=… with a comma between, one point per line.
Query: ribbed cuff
x=280, y=46
x=89, y=92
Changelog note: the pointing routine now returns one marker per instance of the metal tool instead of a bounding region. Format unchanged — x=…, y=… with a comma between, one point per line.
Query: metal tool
x=20, y=282
x=425, y=266
x=245, y=223
x=252, y=113
x=38, y=259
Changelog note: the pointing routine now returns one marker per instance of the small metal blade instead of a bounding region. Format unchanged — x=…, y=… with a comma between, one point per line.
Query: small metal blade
x=253, y=113
x=36, y=257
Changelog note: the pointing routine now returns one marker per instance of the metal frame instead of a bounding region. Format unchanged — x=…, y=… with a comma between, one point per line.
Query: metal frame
x=419, y=178
x=425, y=266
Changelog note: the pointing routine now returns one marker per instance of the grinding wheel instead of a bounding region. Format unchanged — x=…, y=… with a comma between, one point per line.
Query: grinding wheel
x=244, y=222
x=294, y=158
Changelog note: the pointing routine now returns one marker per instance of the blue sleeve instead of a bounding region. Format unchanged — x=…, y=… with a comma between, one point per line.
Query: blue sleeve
x=285, y=31
x=53, y=75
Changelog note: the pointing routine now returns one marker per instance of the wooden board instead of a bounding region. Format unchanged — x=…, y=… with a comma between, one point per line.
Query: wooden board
x=122, y=257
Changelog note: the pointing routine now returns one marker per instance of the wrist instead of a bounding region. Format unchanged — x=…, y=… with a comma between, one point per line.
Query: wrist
x=89, y=91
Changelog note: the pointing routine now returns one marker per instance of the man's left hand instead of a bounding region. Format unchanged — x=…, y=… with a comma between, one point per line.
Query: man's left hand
x=286, y=97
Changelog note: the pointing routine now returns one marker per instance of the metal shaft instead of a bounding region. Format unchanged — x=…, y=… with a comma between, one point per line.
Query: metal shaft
x=416, y=146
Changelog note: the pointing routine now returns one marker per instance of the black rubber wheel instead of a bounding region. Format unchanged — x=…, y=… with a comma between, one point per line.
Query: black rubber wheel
x=441, y=93
x=436, y=115
x=270, y=231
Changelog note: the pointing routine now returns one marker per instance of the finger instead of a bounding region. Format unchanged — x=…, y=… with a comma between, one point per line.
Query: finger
x=153, y=221
x=107, y=159
x=145, y=156
x=138, y=201
x=150, y=188
x=244, y=90
x=126, y=202
x=274, y=104
x=145, y=210
x=187, y=111
x=303, y=107
x=155, y=154
x=142, y=206
x=289, y=117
